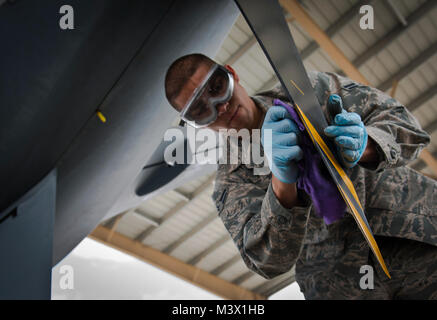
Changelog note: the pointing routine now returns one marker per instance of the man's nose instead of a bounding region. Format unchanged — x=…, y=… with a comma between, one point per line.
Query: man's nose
x=222, y=108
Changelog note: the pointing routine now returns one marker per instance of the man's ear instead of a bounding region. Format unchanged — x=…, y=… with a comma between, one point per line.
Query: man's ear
x=232, y=71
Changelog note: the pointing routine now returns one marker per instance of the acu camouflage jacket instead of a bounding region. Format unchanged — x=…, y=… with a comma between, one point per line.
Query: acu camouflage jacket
x=398, y=201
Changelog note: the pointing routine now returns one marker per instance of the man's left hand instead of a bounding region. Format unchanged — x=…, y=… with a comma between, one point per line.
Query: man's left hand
x=349, y=134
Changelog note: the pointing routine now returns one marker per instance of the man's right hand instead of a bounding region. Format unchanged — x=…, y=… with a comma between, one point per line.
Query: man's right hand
x=282, y=150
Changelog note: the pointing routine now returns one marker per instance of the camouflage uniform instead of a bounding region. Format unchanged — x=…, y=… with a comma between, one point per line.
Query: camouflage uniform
x=400, y=205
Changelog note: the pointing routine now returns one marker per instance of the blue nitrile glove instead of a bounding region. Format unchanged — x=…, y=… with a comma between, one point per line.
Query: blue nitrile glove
x=281, y=146
x=349, y=132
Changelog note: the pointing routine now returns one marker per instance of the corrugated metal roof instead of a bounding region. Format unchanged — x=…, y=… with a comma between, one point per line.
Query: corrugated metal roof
x=255, y=73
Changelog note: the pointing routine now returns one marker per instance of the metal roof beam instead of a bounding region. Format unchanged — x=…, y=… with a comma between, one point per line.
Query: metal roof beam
x=197, y=228
x=241, y=51
x=145, y=233
x=323, y=39
x=335, y=27
x=393, y=8
x=202, y=187
x=410, y=67
x=393, y=34
x=174, y=266
x=348, y=68
x=196, y=259
x=186, y=199
x=273, y=81
x=148, y=218
x=182, y=196
x=241, y=278
x=112, y=224
x=250, y=42
x=313, y=46
x=422, y=99
x=376, y=48
x=218, y=270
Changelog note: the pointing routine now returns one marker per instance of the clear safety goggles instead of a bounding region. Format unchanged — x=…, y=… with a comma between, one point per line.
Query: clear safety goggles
x=217, y=88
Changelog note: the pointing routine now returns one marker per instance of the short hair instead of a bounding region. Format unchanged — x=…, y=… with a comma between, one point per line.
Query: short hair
x=180, y=71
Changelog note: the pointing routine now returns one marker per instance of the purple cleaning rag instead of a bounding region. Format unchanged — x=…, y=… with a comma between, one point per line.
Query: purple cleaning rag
x=327, y=200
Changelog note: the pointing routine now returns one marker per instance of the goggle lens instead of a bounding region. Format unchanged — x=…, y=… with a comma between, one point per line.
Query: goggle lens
x=216, y=89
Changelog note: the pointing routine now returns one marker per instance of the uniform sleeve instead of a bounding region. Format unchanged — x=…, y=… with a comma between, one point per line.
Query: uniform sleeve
x=268, y=236
x=398, y=135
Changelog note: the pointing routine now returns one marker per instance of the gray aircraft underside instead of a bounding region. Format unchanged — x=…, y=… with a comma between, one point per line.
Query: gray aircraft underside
x=53, y=81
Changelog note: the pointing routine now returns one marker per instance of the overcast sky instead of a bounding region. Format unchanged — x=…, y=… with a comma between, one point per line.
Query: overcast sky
x=101, y=272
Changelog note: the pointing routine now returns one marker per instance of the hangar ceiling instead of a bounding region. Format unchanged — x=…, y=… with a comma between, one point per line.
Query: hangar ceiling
x=179, y=230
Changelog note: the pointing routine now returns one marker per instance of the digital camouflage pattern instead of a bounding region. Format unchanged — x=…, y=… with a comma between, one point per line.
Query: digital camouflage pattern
x=398, y=202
